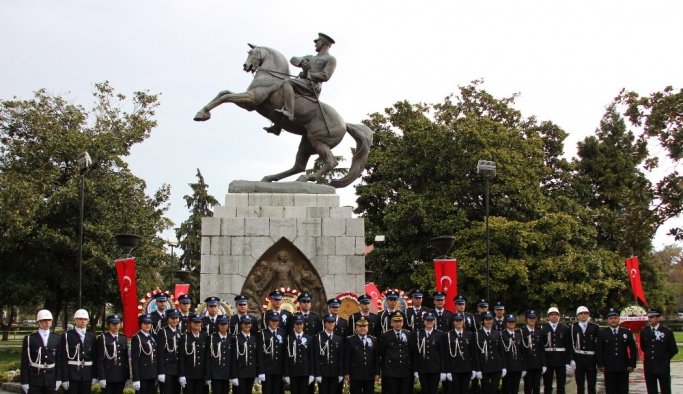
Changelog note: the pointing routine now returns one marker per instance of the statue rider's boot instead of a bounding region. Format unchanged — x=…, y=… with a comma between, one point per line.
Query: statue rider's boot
x=274, y=129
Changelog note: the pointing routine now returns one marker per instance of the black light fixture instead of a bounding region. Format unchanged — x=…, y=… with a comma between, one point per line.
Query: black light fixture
x=443, y=244
x=127, y=242
x=487, y=169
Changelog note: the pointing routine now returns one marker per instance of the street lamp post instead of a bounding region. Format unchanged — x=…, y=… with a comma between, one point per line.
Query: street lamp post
x=84, y=161
x=488, y=170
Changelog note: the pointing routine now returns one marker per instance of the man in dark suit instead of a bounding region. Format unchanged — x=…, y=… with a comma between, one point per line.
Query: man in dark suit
x=499, y=316
x=328, y=357
x=444, y=317
x=299, y=361
x=361, y=362
x=184, y=307
x=159, y=314
x=514, y=355
x=271, y=355
x=209, y=325
x=41, y=359
x=244, y=357
x=341, y=326
x=616, y=354
x=374, y=326
x=194, y=348
x=490, y=355
x=659, y=346
x=242, y=306
x=395, y=358
x=534, y=354
x=461, y=306
x=79, y=356
x=167, y=349
x=312, y=321
x=584, y=336
x=461, y=355
x=276, y=306
x=557, y=352
x=429, y=355
x=415, y=314
x=219, y=368
x=112, y=358
x=143, y=358
x=392, y=306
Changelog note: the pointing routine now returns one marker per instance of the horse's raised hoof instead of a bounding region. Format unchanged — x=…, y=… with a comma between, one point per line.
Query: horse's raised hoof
x=202, y=116
x=274, y=129
x=266, y=179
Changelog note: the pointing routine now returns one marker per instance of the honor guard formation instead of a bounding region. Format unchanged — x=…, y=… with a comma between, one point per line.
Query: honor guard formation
x=176, y=350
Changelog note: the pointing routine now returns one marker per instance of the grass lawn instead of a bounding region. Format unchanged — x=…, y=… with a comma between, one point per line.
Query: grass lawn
x=679, y=336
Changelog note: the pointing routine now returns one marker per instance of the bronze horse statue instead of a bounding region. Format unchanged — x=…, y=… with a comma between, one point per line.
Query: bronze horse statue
x=320, y=126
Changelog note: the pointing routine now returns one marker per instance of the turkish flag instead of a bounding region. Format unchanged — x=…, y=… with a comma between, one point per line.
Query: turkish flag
x=125, y=272
x=634, y=277
x=446, y=277
x=372, y=290
x=181, y=288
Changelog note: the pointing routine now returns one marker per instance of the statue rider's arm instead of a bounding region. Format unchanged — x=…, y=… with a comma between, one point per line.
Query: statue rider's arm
x=325, y=74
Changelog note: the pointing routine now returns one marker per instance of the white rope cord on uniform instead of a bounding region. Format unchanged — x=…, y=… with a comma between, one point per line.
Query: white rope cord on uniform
x=324, y=350
x=511, y=346
x=175, y=342
x=244, y=353
x=142, y=351
x=485, y=349
x=421, y=344
x=39, y=355
x=292, y=353
x=106, y=352
x=530, y=346
x=457, y=351
x=194, y=350
x=270, y=349
x=77, y=351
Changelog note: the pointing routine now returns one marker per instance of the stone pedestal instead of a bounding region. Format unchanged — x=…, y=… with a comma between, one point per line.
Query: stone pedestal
x=251, y=222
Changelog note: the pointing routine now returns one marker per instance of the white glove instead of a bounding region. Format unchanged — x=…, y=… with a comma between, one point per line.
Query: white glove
x=573, y=364
x=474, y=375
x=65, y=385
x=319, y=379
x=103, y=384
x=503, y=373
x=182, y=381
x=94, y=381
x=479, y=375
x=208, y=382
x=310, y=379
x=523, y=373
x=57, y=384
x=286, y=379
x=341, y=378
x=442, y=377
x=25, y=388
x=262, y=377
x=543, y=370
x=136, y=385
x=234, y=382
x=449, y=377
x=417, y=375
x=568, y=368
x=162, y=378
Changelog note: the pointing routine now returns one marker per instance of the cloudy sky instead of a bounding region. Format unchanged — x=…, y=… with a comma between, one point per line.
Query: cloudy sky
x=567, y=59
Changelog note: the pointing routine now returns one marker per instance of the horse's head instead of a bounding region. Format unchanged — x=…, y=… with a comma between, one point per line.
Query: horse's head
x=265, y=57
x=254, y=59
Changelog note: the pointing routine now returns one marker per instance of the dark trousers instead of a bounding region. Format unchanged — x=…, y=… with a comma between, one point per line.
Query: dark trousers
x=273, y=385
x=32, y=389
x=616, y=382
x=475, y=386
x=328, y=385
x=585, y=375
x=489, y=382
x=79, y=387
x=532, y=381
x=511, y=382
x=561, y=374
x=114, y=387
x=664, y=380
x=195, y=386
x=460, y=383
x=220, y=386
x=362, y=386
x=172, y=386
x=429, y=382
x=298, y=384
x=392, y=385
x=246, y=386
x=148, y=386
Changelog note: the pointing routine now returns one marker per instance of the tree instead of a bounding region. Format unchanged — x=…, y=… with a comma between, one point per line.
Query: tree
x=40, y=198
x=189, y=233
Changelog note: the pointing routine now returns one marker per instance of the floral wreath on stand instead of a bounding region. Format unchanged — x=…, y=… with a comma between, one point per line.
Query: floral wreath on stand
x=348, y=304
x=633, y=311
x=289, y=300
x=404, y=300
x=148, y=303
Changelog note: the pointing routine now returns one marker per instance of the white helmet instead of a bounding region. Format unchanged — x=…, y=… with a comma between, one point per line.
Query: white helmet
x=81, y=314
x=44, y=314
x=553, y=310
x=581, y=309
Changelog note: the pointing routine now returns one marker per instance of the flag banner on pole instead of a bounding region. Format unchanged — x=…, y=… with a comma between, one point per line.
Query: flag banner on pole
x=634, y=276
x=181, y=288
x=446, y=277
x=125, y=272
x=375, y=295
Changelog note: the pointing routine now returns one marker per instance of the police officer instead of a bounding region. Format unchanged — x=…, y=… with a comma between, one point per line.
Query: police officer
x=194, y=347
x=244, y=359
x=276, y=306
x=461, y=356
x=490, y=355
x=534, y=353
x=499, y=316
x=312, y=321
x=416, y=313
x=461, y=306
x=78, y=356
x=159, y=314
x=557, y=352
x=341, y=326
x=361, y=363
x=482, y=307
x=209, y=324
x=167, y=349
x=391, y=308
x=374, y=327
x=395, y=358
x=143, y=357
x=184, y=306
x=616, y=354
x=219, y=368
x=41, y=358
x=271, y=348
x=444, y=317
x=112, y=358
x=584, y=335
x=328, y=357
x=514, y=355
x=429, y=357
x=299, y=360
x=659, y=346
x=242, y=306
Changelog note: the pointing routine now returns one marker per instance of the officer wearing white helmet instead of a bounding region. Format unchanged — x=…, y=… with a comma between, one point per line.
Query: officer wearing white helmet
x=40, y=361
x=584, y=336
x=555, y=336
x=79, y=356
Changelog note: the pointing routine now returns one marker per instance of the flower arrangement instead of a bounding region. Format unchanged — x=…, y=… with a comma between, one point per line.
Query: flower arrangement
x=633, y=310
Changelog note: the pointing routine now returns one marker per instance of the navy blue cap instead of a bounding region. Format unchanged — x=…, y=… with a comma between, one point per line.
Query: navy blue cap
x=212, y=301
x=487, y=315
x=482, y=303
x=241, y=300
x=417, y=293
x=460, y=299
x=612, y=312
x=510, y=318
x=364, y=299
x=272, y=316
x=653, y=312
x=439, y=295
x=498, y=305
x=392, y=295
x=222, y=319
x=276, y=295
x=195, y=318
x=298, y=319
x=429, y=316
x=246, y=319
x=398, y=315
x=305, y=297
x=185, y=299
x=458, y=316
x=144, y=319
x=329, y=318
x=161, y=297
x=113, y=319
x=333, y=303
x=531, y=314
x=172, y=313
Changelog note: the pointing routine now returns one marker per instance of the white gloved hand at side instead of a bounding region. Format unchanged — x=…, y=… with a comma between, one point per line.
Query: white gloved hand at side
x=234, y=382
x=286, y=379
x=162, y=378
x=503, y=373
x=25, y=388
x=103, y=384
x=136, y=385
x=262, y=377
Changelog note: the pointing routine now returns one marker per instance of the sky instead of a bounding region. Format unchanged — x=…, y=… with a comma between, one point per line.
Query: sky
x=568, y=60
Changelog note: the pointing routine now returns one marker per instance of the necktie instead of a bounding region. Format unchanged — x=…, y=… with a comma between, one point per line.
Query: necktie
x=459, y=335
x=298, y=338
x=615, y=331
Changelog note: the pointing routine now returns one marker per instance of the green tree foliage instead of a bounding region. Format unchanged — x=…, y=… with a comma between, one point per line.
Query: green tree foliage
x=40, y=198
x=189, y=233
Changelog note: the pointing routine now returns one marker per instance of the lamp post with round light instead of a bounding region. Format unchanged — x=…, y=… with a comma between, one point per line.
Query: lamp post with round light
x=487, y=169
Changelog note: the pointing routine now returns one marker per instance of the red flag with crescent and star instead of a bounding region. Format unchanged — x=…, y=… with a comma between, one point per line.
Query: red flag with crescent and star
x=125, y=272
x=446, y=276
x=634, y=276
x=375, y=295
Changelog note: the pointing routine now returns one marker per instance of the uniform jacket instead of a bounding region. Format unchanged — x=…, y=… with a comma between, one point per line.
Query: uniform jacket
x=219, y=365
x=312, y=323
x=286, y=318
x=534, y=349
x=557, y=345
x=385, y=321
x=342, y=328
x=394, y=353
x=444, y=320
x=513, y=349
x=112, y=358
x=328, y=355
x=158, y=321
x=658, y=348
x=41, y=365
x=184, y=323
x=361, y=361
x=299, y=360
x=583, y=345
x=374, y=325
x=471, y=323
x=429, y=354
x=168, y=350
x=235, y=325
x=414, y=318
x=616, y=352
x=209, y=325
x=78, y=357
x=244, y=356
x=461, y=352
x=193, y=355
x=144, y=361
x=490, y=353
x=271, y=351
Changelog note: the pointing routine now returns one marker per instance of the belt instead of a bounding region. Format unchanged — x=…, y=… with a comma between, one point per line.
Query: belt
x=586, y=352
x=43, y=366
x=554, y=349
x=80, y=363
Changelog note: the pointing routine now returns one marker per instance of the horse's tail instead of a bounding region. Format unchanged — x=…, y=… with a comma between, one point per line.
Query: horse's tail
x=363, y=136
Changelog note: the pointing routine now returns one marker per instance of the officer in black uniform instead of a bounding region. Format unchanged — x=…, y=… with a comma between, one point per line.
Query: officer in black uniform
x=534, y=353
x=499, y=316
x=461, y=355
x=395, y=358
x=299, y=361
x=328, y=357
x=184, y=307
x=159, y=314
x=219, y=368
x=659, y=346
x=444, y=317
x=391, y=307
x=276, y=306
x=194, y=347
x=41, y=361
x=245, y=360
x=616, y=354
x=112, y=358
x=557, y=352
x=374, y=327
x=79, y=356
x=312, y=322
x=415, y=314
x=209, y=324
x=271, y=354
x=167, y=349
x=361, y=362
x=584, y=335
x=490, y=355
x=143, y=358
x=429, y=355
x=482, y=307
x=514, y=355
x=461, y=306
x=341, y=326
x=242, y=306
